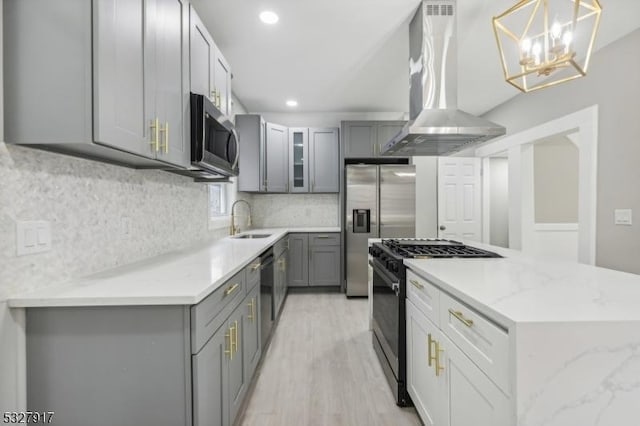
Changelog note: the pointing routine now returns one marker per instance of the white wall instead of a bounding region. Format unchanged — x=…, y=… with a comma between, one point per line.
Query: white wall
x=613, y=83
x=499, y=201
x=426, y=196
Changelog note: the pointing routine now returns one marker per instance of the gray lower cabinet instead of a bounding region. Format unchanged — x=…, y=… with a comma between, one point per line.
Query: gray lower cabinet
x=117, y=90
x=298, y=260
x=251, y=337
x=146, y=365
x=210, y=379
x=314, y=260
x=281, y=255
x=365, y=139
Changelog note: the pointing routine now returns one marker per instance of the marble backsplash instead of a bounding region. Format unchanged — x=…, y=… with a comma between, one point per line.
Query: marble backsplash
x=89, y=205
x=274, y=210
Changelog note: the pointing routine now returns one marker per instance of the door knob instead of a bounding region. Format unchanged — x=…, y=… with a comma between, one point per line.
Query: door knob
x=443, y=228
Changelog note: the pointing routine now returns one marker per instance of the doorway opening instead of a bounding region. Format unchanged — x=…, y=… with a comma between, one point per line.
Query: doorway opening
x=547, y=174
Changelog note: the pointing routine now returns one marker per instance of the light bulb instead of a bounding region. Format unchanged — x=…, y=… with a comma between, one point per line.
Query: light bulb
x=567, y=38
x=526, y=46
x=556, y=30
x=537, y=48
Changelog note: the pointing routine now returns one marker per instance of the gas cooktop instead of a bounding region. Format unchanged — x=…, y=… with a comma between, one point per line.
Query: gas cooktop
x=427, y=248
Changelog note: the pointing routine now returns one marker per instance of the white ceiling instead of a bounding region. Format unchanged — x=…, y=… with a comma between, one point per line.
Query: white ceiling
x=352, y=55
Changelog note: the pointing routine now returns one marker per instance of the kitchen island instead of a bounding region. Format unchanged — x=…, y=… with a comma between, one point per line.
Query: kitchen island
x=522, y=341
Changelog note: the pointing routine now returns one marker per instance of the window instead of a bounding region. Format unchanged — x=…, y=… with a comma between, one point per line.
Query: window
x=221, y=197
x=217, y=200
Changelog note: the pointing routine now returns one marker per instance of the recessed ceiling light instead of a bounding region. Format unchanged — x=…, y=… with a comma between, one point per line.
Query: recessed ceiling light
x=292, y=103
x=269, y=17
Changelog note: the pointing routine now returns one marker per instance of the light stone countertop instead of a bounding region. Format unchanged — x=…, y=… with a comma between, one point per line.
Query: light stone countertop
x=524, y=289
x=182, y=277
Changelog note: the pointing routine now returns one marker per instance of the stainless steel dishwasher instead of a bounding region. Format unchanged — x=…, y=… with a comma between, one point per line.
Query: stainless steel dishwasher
x=266, y=295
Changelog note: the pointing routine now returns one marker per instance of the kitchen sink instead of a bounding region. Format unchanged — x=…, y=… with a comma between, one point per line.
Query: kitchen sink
x=248, y=236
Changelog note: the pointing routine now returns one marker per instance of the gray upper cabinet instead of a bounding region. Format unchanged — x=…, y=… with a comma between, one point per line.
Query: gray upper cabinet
x=210, y=71
x=222, y=83
x=277, y=158
x=360, y=139
x=251, y=130
x=386, y=131
x=202, y=57
x=365, y=139
x=298, y=270
x=324, y=147
x=116, y=91
x=299, y=159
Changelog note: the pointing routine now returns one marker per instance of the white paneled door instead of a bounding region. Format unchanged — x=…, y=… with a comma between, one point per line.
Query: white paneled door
x=459, y=198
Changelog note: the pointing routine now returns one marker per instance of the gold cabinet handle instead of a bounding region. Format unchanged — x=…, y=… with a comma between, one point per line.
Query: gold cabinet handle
x=255, y=266
x=231, y=289
x=460, y=316
x=250, y=305
x=219, y=99
x=438, y=367
x=416, y=284
x=430, y=342
x=229, y=336
x=155, y=134
x=379, y=148
x=235, y=332
x=164, y=145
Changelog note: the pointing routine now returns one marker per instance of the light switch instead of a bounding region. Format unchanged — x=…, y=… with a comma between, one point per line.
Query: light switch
x=623, y=217
x=33, y=237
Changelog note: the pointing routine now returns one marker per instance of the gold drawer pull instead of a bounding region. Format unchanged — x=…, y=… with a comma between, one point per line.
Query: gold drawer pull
x=251, y=314
x=417, y=284
x=256, y=266
x=235, y=332
x=323, y=236
x=460, y=316
x=231, y=289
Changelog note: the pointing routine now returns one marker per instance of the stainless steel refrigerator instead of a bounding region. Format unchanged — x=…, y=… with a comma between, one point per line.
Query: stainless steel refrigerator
x=380, y=203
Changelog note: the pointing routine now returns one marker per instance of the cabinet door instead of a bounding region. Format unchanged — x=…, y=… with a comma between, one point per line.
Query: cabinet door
x=324, y=265
x=324, y=145
x=299, y=160
x=124, y=76
x=202, y=57
x=473, y=398
x=210, y=380
x=277, y=158
x=251, y=336
x=237, y=386
x=360, y=139
x=386, y=131
x=172, y=84
x=425, y=388
x=298, y=260
x=222, y=82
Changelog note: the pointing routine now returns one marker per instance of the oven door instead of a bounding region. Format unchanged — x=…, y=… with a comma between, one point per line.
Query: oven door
x=386, y=313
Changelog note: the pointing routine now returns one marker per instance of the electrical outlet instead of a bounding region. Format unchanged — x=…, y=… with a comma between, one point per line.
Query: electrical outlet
x=33, y=237
x=623, y=217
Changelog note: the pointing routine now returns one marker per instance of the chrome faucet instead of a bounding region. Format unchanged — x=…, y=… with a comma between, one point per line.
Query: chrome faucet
x=235, y=229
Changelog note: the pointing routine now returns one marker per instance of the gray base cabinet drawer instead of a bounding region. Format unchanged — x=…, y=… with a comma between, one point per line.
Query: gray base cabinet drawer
x=316, y=240
x=208, y=315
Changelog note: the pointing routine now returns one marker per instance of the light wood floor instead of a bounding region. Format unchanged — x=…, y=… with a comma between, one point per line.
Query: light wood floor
x=321, y=369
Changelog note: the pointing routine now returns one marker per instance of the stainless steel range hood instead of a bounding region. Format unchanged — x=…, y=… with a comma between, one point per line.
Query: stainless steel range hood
x=436, y=126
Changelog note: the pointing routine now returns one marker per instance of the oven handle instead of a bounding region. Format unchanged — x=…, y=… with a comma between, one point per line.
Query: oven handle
x=393, y=285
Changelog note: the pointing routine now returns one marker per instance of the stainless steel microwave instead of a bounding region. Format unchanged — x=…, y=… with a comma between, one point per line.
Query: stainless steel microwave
x=214, y=141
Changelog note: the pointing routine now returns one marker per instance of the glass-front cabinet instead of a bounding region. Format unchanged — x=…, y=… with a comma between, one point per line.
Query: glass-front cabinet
x=299, y=159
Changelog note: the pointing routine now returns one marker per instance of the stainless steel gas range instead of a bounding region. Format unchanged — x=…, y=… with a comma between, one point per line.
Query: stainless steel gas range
x=389, y=299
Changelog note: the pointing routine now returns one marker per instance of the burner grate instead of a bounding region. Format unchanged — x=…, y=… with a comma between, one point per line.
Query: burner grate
x=434, y=248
